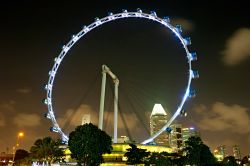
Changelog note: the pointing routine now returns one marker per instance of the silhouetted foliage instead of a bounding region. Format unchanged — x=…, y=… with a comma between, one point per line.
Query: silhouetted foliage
x=229, y=161
x=245, y=160
x=21, y=154
x=164, y=158
x=47, y=149
x=87, y=144
x=136, y=155
x=198, y=153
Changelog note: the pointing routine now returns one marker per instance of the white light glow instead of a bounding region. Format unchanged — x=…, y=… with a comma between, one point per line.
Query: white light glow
x=158, y=110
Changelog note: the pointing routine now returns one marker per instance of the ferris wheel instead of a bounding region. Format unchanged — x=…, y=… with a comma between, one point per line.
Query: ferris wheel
x=177, y=30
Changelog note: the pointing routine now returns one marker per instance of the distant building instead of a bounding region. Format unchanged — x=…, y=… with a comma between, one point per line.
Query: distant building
x=175, y=139
x=6, y=159
x=158, y=119
x=123, y=139
x=221, y=152
x=187, y=133
x=86, y=119
x=236, y=152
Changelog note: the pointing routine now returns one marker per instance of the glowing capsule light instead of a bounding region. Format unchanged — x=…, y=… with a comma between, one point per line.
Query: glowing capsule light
x=193, y=56
x=183, y=112
x=47, y=115
x=169, y=129
x=54, y=129
x=110, y=13
x=97, y=19
x=153, y=13
x=178, y=28
x=195, y=74
x=45, y=101
x=192, y=93
x=86, y=29
x=139, y=10
x=52, y=73
x=187, y=41
x=124, y=11
x=166, y=19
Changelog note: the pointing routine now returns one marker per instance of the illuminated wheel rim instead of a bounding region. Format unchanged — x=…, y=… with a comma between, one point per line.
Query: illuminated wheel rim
x=98, y=22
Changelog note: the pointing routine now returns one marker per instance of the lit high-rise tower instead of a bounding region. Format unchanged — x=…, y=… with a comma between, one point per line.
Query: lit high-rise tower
x=236, y=152
x=86, y=119
x=187, y=133
x=176, y=141
x=158, y=119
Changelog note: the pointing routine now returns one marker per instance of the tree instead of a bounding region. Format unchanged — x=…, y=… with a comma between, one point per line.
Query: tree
x=229, y=161
x=22, y=158
x=198, y=153
x=136, y=155
x=245, y=160
x=87, y=144
x=21, y=154
x=47, y=149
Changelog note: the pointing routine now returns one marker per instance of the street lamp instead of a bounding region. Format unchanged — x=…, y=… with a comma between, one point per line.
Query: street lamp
x=19, y=135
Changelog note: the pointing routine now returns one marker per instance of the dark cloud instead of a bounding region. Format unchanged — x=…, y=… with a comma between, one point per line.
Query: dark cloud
x=237, y=47
x=221, y=117
x=27, y=120
x=8, y=105
x=24, y=90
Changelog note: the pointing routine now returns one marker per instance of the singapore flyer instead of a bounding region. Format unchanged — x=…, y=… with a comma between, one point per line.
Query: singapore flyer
x=189, y=56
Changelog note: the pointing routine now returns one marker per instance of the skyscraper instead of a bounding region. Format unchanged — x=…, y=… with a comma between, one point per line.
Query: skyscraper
x=222, y=151
x=85, y=119
x=158, y=119
x=189, y=132
x=236, y=152
x=176, y=141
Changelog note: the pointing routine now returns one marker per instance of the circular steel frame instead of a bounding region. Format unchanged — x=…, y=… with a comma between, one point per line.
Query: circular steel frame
x=98, y=22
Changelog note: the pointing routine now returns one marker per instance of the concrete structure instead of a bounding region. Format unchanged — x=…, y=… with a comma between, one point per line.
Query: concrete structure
x=86, y=119
x=158, y=119
x=236, y=152
x=176, y=141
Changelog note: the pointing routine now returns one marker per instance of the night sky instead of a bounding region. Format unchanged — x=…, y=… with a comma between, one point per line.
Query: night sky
x=147, y=58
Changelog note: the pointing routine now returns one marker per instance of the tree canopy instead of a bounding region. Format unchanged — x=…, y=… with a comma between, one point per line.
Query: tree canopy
x=47, y=149
x=229, y=161
x=21, y=154
x=87, y=144
x=136, y=155
x=198, y=153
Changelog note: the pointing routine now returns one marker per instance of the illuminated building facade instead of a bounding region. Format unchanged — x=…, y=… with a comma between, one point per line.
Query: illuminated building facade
x=236, y=152
x=158, y=119
x=86, y=119
x=176, y=141
x=116, y=157
x=220, y=152
x=123, y=139
x=188, y=132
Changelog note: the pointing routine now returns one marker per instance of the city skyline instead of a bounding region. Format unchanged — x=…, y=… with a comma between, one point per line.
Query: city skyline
x=138, y=52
